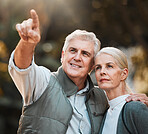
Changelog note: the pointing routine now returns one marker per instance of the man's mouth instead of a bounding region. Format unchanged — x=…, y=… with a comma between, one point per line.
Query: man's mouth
x=74, y=65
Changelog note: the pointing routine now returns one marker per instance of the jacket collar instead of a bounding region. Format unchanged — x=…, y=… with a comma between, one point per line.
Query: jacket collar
x=67, y=84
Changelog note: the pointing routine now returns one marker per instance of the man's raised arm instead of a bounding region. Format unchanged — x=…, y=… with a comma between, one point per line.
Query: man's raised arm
x=29, y=33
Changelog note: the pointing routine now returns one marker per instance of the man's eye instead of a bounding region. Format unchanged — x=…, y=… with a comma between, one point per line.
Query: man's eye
x=86, y=54
x=72, y=50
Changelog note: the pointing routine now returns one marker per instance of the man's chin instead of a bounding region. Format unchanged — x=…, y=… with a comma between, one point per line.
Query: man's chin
x=73, y=74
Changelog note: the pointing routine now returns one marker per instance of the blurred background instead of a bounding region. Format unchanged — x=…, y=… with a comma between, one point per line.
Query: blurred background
x=118, y=23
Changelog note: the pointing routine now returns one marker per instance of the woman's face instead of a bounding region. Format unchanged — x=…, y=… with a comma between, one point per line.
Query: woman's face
x=108, y=74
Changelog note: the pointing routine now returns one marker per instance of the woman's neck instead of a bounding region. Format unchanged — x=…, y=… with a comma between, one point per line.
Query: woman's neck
x=113, y=93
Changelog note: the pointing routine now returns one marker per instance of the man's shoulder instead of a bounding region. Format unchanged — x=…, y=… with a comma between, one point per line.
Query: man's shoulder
x=98, y=94
x=98, y=90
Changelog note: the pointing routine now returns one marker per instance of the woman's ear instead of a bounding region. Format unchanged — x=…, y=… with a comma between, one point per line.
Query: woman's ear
x=124, y=74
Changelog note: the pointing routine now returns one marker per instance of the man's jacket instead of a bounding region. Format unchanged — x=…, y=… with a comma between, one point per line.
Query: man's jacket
x=52, y=112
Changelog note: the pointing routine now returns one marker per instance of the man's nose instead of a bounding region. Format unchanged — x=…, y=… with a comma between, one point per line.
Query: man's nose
x=77, y=56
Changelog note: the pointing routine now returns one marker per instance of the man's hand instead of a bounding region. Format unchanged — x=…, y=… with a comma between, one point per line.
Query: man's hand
x=138, y=97
x=29, y=33
x=29, y=30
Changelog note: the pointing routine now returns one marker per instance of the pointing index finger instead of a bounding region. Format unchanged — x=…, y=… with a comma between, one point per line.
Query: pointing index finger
x=35, y=18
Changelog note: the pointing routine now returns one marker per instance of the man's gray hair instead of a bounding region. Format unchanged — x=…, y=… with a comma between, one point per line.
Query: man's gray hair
x=83, y=35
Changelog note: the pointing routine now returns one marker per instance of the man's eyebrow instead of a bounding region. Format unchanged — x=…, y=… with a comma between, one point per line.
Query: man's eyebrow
x=86, y=52
x=72, y=48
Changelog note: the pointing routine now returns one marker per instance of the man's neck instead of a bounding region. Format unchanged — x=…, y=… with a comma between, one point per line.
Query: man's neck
x=81, y=83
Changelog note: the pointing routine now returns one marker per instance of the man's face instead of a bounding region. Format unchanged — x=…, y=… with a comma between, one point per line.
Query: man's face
x=77, y=60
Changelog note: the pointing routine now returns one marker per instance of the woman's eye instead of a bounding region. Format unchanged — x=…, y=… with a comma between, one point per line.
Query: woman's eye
x=110, y=66
x=97, y=68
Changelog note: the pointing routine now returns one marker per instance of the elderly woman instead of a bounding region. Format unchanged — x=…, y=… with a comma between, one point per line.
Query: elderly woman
x=111, y=70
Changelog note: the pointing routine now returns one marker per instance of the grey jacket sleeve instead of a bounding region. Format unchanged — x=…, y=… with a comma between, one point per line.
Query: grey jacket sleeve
x=133, y=119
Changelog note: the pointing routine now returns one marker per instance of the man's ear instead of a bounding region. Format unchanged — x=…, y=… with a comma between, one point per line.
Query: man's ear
x=62, y=56
x=93, y=67
x=124, y=74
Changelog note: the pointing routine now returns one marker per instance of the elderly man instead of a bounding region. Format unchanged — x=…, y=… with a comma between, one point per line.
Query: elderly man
x=62, y=102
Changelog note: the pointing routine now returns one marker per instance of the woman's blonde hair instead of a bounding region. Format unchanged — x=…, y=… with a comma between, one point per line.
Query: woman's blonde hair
x=117, y=54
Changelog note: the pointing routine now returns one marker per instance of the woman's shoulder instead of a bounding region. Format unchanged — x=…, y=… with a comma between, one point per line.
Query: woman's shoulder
x=135, y=107
x=133, y=118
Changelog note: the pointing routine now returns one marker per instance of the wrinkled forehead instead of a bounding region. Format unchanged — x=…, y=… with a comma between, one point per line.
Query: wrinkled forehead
x=104, y=58
x=80, y=43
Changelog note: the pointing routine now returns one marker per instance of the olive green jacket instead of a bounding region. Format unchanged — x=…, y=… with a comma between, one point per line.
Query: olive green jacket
x=52, y=112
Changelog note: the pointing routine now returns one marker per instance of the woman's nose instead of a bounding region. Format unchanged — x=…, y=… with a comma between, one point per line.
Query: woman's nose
x=103, y=71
